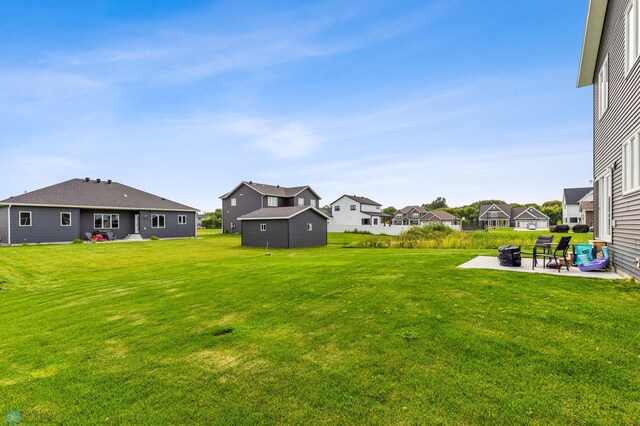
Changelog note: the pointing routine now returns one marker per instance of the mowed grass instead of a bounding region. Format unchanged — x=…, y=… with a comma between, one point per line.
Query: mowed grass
x=207, y=332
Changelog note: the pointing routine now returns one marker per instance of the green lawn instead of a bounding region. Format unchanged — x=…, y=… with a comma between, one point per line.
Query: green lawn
x=207, y=332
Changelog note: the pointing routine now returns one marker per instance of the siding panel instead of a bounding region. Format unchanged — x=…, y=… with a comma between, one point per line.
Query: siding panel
x=618, y=123
x=4, y=225
x=277, y=233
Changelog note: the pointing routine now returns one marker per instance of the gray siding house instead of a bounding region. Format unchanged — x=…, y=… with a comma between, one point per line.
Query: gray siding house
x=284, y=227
x=507, y=216
x=68, y=210
x=250, y=196
x=610, y=63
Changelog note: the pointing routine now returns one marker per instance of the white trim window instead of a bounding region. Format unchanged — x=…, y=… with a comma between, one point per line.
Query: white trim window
x=65, y=218
x=300, y=201
x=182, y=219
x=631, y=164
x=312, y=203
x=631, y=35
x=493, y=214
x=352, y=207
x=603, y=88
x=157, y=221
x=106, y=221
x=272, y=201
x=604, y=212
x=336, y=208
x=25, y=219
x=234, y=202
x=309, y=226
x=263, y=227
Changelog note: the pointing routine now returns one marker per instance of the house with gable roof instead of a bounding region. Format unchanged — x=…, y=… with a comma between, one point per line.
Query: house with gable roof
x=507, y=216
x=274, y=216
x=352, y=210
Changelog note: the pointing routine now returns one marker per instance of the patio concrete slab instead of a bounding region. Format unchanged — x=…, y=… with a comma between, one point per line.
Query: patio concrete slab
x=491, y=262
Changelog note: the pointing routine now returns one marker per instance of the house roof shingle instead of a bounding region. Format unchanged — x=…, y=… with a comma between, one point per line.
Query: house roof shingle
x=506, y=208
x=361, y=200
x=103, y=194
x=273, y=190
x=407, y=209
x=574, y=195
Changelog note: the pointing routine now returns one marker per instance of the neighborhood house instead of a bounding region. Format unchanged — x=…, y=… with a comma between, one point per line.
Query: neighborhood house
x=276, y=216
x=507, y=216
x=355, y=211
x=572, y=204
x=81, y=208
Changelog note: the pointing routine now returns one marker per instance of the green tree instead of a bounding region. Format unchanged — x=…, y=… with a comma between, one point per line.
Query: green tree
x=553, y=209
x=389, y=210
x=213, y=220
x=438, y=203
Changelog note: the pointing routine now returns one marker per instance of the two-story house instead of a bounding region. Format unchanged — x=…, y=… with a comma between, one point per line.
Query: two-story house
x=409, y=216
x=351, y=210
x=273, y=215
x=610, y=63
x=440, y=217
x=571, y=198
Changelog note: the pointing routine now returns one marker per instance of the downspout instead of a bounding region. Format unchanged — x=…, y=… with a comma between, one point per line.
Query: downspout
x=9, y=224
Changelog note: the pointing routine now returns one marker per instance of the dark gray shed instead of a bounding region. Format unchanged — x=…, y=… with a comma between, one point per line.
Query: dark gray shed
x=284, y=227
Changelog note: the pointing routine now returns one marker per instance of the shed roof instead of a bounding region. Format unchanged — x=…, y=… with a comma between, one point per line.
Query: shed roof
x=91, y=193
x=271, y=213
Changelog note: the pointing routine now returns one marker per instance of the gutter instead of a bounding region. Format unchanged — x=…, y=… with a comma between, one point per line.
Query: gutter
x=9, y=224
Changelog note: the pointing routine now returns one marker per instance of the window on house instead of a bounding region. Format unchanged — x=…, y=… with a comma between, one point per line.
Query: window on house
x=309, y=226
x=106, y=221
x=65, y=219
x=263, y=227
x=631, y=164
x=25, y=219
x=375, y=221
x=398, y=214
x=573, y=220
x=415, y=214
x=493, y=214
x=182, y=219
x=603, y=88
x=272, y=201
x=312, y=203
x=336, y=208
x=233, y=202
x=301, y=201
x=366, y=221
x=631, y=35
x=157, y=221
x=352, y=207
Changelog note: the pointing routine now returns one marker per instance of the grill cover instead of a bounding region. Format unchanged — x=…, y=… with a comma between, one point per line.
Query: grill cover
x=509, y=256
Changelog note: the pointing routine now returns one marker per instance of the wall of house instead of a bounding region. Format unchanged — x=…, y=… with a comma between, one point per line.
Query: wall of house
x=247, y=201
x=346, y=216
x=618, y=123
x=570, y=211
x=125, y=226
x=45, y=225
x=300, y=236
x=4, y=225
x=307, y=196
x=277, y=233
x=172, y=229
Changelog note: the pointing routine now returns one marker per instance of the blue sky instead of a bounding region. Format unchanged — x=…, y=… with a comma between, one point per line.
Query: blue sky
x=398, y=101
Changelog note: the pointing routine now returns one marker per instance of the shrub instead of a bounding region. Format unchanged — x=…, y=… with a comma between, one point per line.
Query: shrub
x=356, y=231
x=154, y=238
x=78, y=241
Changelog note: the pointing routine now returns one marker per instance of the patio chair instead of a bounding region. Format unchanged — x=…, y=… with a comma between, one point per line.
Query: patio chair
x=558, y=252
x=111, y=236
x=541, y=246
x=88, y=235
